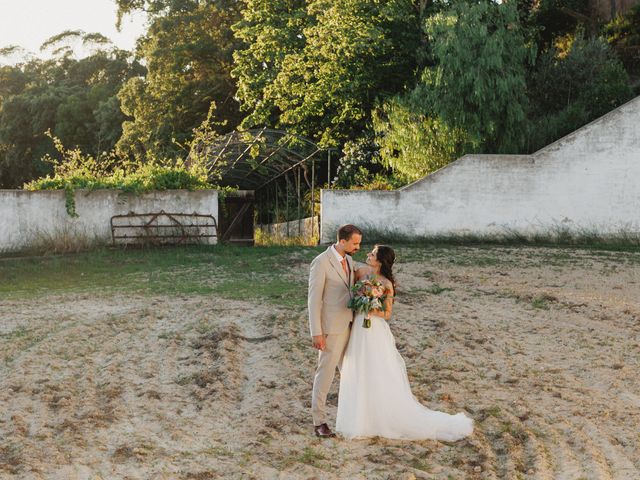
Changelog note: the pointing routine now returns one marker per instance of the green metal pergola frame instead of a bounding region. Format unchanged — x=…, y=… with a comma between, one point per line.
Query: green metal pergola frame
x=261, y=159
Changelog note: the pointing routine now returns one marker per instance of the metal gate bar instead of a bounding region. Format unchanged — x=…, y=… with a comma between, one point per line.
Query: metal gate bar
x=144, y=228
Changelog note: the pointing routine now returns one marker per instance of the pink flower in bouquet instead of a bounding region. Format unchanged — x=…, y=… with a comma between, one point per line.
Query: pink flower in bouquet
x=369, y=294
x=377, y=291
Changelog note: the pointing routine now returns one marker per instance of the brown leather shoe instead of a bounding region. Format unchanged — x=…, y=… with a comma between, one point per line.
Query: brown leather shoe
x=323, y=431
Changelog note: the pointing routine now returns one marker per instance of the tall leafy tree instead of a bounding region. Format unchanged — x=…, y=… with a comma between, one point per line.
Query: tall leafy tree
x=479, y=80
x=323, y=72
x=270, y=31
x=188, y=52
x=571, y=87
x=471, y=98
x=75, y=99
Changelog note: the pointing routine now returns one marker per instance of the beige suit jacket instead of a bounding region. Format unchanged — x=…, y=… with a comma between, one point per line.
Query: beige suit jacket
x=329, y=293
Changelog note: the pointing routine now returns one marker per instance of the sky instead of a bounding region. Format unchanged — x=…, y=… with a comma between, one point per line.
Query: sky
x=28, y=23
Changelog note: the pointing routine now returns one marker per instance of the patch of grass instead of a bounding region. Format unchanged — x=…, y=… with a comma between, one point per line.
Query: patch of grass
x=420, y=464
x=494, y=411
x=273, y=290
x=169, y=335
x=515, y=431
x=264, y=239
x=184, y=380
x=427, y=274
x=203, y=475
x=539, y=302
x=216, y=451
x=311, y=457
x=19, y=332
x=64, y=239
x=558, y=235
x=476, y=260
x=436, y=289
x=23, y=339
x=185, y=270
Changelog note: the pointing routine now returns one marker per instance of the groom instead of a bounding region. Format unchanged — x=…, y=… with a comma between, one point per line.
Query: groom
x=330, y=279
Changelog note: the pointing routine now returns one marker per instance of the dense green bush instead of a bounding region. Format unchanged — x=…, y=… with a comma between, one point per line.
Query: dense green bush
x=623, y=34
x=571, y=87
x=77, y=170
x=471, y=99
x=412, y=142
x=361, y=167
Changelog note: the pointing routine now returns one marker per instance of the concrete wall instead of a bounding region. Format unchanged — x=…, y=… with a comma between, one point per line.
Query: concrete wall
x=305, y=227
x=586, y=181
x=32, y=219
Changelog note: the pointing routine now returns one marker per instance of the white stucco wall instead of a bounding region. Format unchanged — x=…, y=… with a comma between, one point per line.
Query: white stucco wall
x=26, y=218
x=588, y=181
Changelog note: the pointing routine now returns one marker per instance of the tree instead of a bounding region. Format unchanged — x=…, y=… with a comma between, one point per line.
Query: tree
x=478, y=83
x=323, y=72
x=623, y=34
x=75, y=99
x=472, y=98
x=547, y=20
x=188, y=53
x=572, y=87
x=270, y=31
x=412, y=141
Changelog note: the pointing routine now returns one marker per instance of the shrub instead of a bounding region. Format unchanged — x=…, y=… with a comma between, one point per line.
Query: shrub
x=77, y=170
x=414, y=143
x=572, y=86
x=361, y=167
x=623, y=34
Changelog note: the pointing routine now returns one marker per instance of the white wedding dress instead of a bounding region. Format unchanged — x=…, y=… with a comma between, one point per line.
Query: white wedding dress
x=375, y=398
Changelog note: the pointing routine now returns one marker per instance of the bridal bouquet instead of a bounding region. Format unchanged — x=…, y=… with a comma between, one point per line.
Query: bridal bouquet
x=368, y=294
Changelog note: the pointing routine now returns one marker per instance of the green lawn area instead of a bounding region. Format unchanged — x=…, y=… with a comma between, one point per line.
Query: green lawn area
x=272, y=274
x=233, y=272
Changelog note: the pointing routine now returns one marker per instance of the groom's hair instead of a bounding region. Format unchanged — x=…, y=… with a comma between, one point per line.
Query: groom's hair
x=346, y=231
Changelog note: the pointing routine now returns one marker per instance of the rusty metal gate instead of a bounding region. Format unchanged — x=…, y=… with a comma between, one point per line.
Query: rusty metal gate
x=163, y=228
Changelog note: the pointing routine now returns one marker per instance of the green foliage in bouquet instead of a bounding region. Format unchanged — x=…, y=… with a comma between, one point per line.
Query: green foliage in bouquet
x=368, y=295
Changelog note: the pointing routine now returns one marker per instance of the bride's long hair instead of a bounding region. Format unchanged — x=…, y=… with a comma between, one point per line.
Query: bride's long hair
x=386, y=256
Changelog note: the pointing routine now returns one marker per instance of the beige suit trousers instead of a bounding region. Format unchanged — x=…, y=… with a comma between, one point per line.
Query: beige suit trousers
x=328, y=360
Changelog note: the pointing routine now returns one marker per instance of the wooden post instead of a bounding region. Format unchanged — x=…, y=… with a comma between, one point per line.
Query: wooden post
x=286, y=177
x=313, y=185
x=299, y=201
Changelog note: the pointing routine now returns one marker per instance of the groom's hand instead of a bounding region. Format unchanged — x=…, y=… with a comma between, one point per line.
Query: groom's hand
x=318, y=342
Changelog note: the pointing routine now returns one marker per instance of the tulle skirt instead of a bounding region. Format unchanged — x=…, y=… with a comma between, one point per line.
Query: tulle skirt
x=375, y=397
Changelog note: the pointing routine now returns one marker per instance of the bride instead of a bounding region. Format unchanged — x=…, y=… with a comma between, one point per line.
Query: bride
x=375, y=398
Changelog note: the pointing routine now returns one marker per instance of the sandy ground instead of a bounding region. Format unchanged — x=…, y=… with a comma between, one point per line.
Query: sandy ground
x=543, y=354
